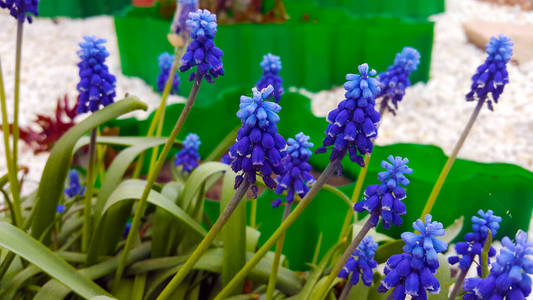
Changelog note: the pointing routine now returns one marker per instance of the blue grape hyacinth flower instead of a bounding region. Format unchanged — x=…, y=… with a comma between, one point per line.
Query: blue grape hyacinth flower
x=492, y=76
x=353, y=124
x=188, y=156
x=509, y=276
x=60, y=208
x=361, y=263
x=97, y=84
x=412, y=272
x=202, y=52
x=165, y=64
x=259, y=148
x=385, y=199
x=184, y=7
x=21, y=9
x=297, y=177
x=74, y=188
x=271, y=65
x=474, y=241
x=395, y=80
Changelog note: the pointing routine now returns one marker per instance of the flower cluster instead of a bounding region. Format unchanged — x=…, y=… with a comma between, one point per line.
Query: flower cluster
x=412, y=272
x=97, y=85
x=21, y=9
x=201, y=51
x=475, y=241
x=395, y=80
x=74, y=187
x=259, y=148
x=183, y=8
x=165, y=64
x=509, y=275
x=353, y=124
x=361, y=263
x=271, y=65
x=188, y=156
x=296, y=177
x=491, y=77
x=384, y=199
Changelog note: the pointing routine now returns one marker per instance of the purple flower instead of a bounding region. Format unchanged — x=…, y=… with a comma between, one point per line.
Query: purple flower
x=491, y=77
x=384, y=199
x=474, y=241
x=127, y=228
x=509, y=276
x=202, y=52
x=165, y=64
x=395, y=80
x=21, y=9
x=188, y=156
x=271, y=65
x=361, y=263
x=353, y=124
x=296, y=178
x=97, y=85
x=74, y=188
x=60, y=208
x=412, y=272
x=259, y=148
x=179, y=24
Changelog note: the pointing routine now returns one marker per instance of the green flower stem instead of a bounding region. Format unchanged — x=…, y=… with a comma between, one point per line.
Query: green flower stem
x=484, y=257
x=277, y=257
x=346, y=290
x=89, y=193
x=239, y=277
x=253, y=213
x=16, y=133
x=159, y=117
x=206, y=242
x=442, y=177
x=459, y=283
x=347, y=253
x=152, y=175
x=11, y=171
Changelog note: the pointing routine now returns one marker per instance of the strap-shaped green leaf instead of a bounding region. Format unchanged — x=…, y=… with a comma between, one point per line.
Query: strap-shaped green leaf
x=30, y=249
x=56, y=168
x=199, y=176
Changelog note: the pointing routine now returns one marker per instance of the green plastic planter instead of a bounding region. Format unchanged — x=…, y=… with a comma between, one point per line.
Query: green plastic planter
x=80, y=8
x=318, y=47
x=507, y=189
x=406, y=8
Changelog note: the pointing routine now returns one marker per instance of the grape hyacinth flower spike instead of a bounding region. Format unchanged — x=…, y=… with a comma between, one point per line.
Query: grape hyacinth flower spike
x=297, y=177
x=271, y=65
x=353, y=124
x=165, y=65
x=74, y=188
x=491, y=76
x=188, y=156
x=179, y=23
x=412, y=272
x=509, y=276
x=202, y=52
x=21, y=9
x=361, y=263
x=97, y=84
x=259, y=148
x=395, y=80
x=384, y=199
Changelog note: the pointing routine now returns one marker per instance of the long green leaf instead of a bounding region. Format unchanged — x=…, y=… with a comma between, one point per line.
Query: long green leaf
x=165, y=228
x=197, y=178
x=30, y=249
x=56, y=168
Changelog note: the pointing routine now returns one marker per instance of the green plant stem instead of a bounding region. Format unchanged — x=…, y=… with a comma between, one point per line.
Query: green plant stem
x=442, y=177
x=277, y=257
x=152, y=175
x=459, y=283
x=253, y=213
x=347, y=253
x=18, y=56
x=159, y=117
x=11, y=171
x=346, y=290
x=89, y=192
x=484, y=258
x=280, y=231
x=206, y=242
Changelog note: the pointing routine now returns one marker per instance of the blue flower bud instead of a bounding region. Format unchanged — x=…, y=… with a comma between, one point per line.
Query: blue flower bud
x=165, y=64
x=74, y=188
x=188, y=156
x=184, y=7
x=361, y=263
x=271, y=65
x=21, y=9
